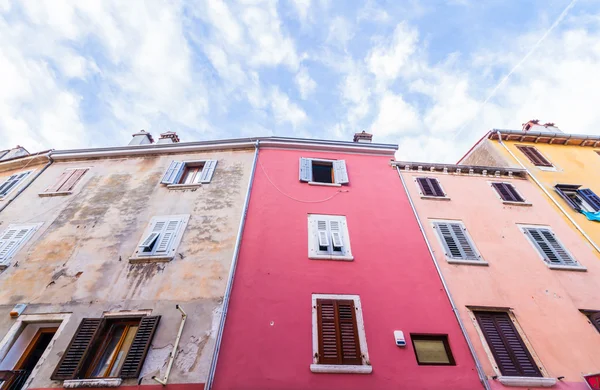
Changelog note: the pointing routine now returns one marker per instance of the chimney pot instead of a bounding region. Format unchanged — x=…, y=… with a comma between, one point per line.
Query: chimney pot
x=170, y=137
x=141, y=138
x=363, y=137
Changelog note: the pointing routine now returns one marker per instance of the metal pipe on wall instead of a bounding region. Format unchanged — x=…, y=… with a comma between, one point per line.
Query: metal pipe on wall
x=164, y=380
x=236, y=251
x=480, y=372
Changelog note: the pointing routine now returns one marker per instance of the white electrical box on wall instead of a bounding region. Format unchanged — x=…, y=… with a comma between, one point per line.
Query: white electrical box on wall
x=399, y=337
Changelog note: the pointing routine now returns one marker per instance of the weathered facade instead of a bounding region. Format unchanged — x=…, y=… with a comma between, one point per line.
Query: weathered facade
x=86, y=256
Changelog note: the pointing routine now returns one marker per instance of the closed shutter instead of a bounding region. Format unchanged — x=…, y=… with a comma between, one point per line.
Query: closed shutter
x=173, y=173
x=535, y=156
x=340, y=173
x=208, y=171
x=322, y=232
x=430, y=186
x=165, y=239
x=62, y=179
x=509, y=350
x=139, y=347
x=590, y=197
x=12, y=239
x=549, y=247
x=305, y=169
x=336, y=234
x=507, y=192
x=76, y=174
x=338, y=332
x=595, y=319
x=78, y=349
x=455, y=240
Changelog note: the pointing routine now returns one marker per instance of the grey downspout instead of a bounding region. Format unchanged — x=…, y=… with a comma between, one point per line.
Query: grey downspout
x=236, y=251
x=480, y=372
x=24, y=187
x=535, y=180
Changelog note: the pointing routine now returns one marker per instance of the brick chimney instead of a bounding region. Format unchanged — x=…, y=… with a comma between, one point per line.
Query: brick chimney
x=363, y=137
x=141, y=138
x=529, y=124
x=534, y=125
x=170, y=137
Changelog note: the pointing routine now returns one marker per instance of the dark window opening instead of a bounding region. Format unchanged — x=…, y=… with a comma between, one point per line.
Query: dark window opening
x=337, y=248
x=191, y=173
x=432, y=350
x=323, y=248
x=36, y=348
x=593, y=317
x=322, y=172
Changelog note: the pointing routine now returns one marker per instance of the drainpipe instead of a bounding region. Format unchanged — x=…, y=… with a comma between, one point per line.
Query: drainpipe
x=480, y=372
x=164, y=380
x=24, y=187
x=548, y=194
x=236, y=251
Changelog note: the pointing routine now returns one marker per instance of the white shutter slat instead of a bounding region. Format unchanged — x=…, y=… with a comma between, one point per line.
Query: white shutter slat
x=12, y=182
x=305, y=169
x=336, y=234
x=147, y=243
x=322, y=233
x=172, y=173
x=164, y=242
x=340, y=173
x=12, y=239
x=208, y=171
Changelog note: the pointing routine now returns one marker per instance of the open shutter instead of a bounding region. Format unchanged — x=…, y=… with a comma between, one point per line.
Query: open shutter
x=559, y=190
x=305, y=169
x=340, y=173
x=78, y=349
x=322, y=233
x=11, y=240
x=549, y=247
x=534, y=156
x=173, y=173
x=73, y=179
x=329, y=344
x=456, y=242
x=595, y=319
x=62, y=179
x=510, y=353
x=507, y=192
x=163, y=245
x=139, y=347
x=158, y=226
x=336, y=234
x=208, y=171
x=590, y=197
x=350, y=344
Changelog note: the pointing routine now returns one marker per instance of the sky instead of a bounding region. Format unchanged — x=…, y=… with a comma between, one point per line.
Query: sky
x=77, y=74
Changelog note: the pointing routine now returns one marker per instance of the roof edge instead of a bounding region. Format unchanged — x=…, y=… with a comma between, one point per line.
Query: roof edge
x=413, y=166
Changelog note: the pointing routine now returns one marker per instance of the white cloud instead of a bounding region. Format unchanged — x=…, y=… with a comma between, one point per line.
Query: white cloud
x=285, y=111
x=302, y=8
x=340, y=32
x=306, y=85
x=372, y=12
x=395, y=117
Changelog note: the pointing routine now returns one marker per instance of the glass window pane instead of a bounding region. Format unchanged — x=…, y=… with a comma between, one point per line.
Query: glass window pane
x=431, y=351
x=107, y=357
x=123, y=351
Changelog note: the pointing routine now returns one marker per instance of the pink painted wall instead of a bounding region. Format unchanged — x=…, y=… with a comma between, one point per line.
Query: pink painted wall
x=267, y=342
x=545, y=302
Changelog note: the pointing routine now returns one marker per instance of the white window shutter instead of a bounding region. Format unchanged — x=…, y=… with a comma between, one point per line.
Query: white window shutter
x=173, y=173
x=12, y=182
x=305, y=169
x=322, y=233
x=336, y=234
x=163, y=245
x=12, y=238
x=208, y=170
x=340, y=174
x=147, y=243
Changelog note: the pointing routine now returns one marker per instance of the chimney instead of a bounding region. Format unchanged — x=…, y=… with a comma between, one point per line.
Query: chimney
x=363, y=137
x=17, y=151
x=141, y=138
x=527, y=126
x=170, y=137
x=534, y=125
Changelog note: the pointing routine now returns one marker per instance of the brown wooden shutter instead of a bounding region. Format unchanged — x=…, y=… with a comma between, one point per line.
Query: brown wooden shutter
x=507, y=192
x=61, y=180
x=338, y=332
x=510, y=353
x=534, y=156
x=139, y=347
x=595, y=319
x=78, y=349
x=430, y=186
x=73, y=179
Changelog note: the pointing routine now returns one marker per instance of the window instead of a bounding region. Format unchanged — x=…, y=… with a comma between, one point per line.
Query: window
x=189, y=172
x=579, y=199
x=506, y=345
x=107, y=348
x=432, y=350
x=550, y=249
x=534, y=156
x=12, y=239
x=430, y=187
x=323, y=171
x=339, y=341
x=593, y=317
x=66, y=181
x=162, y=237
x=508, y=193
x=457, y=244
x=12, y=182
x=328, y=237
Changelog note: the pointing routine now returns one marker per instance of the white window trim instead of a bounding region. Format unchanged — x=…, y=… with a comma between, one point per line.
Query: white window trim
x=184, y=186
x=34, y=228
x=579, y=267
x=364, y=368
x=323, y=160
x=316, y=183
x=137, y=258
x=313, y=240
x=2, y=197
x=20, y=324
x=511, y=380
x=508, y=202
x=442, y=245
x=423, y=196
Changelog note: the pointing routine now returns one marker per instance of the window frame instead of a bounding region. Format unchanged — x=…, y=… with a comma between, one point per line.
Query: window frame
x=446, y=250
x=566, y=267
x=524, y=201
x=25, y=174
x=365, y=367
x=209, y=164
x=140, y=257
x=314, y=251
x=433, y=197
x=336, y=181
x=436, y=337
x=563, y=189
x=548, y=166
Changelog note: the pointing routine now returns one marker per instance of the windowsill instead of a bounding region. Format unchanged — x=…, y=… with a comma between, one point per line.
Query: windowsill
x=579, y=268
x=330, y=257
x=49, y=194
x=524, y=381
x=548, y=169
x=99, y=382
x=468, y=262
x=184, y=186
x=435, y=197
x=150, y=259
x=508, y=202
x=315, y=183
x=340, y=369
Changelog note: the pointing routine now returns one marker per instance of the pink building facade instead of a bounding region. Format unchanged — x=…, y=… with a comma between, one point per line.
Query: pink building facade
x=332, y=267
x=524, y=282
